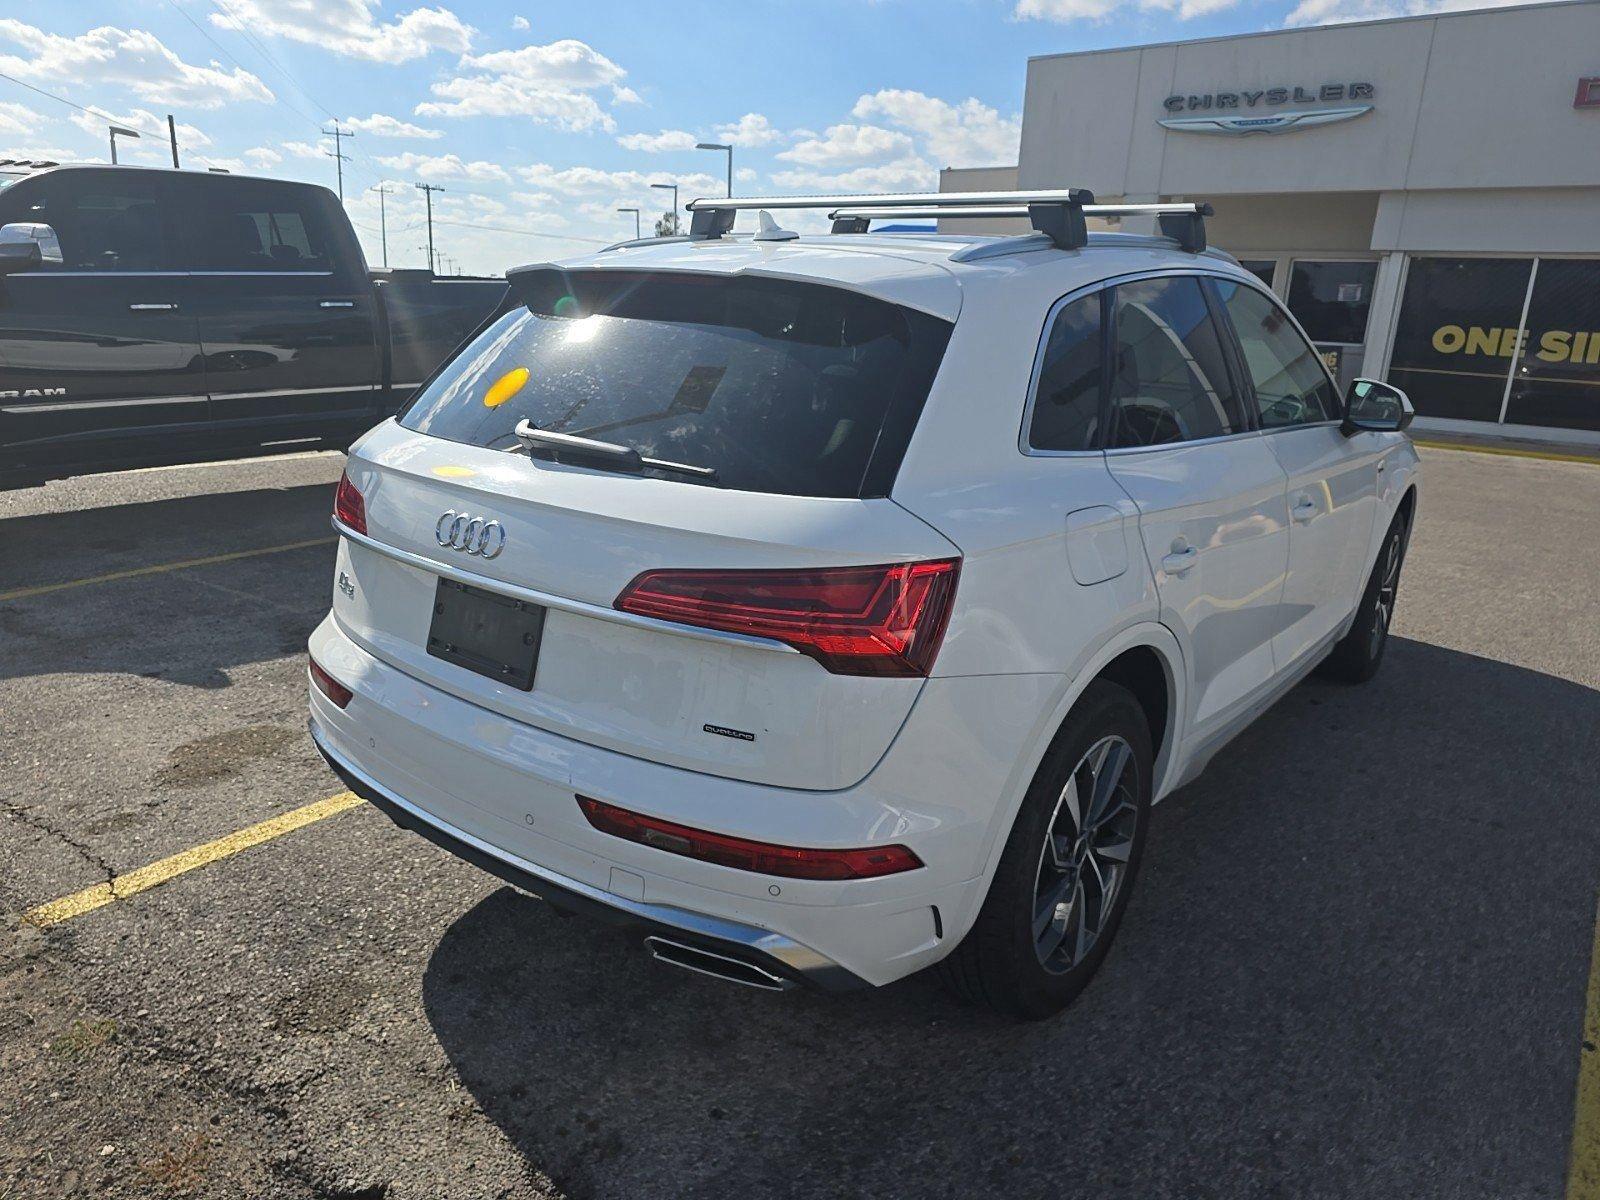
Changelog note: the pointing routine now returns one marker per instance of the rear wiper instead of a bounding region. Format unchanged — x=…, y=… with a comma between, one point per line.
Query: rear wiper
x=606, y=454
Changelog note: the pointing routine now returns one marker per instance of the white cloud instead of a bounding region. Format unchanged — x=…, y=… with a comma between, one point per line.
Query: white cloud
x=520, y=24
x=745, y=174
x=383, y=125
x=350, y=27
x=151, y=125
x=445, y=166
x=1332, y=12
x=969, y=134
x=263, y=156
x=572, y=181
x=35, y=153
x=129, y=59
x=846, y=145
x=750, y=130
x=909, y=174
x=625, y=95
x=18, y=118
x=550, y=85
x=307, y=149
x=657, y=143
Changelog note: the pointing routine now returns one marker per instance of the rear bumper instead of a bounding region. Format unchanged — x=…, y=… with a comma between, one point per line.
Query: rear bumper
x=783, y=957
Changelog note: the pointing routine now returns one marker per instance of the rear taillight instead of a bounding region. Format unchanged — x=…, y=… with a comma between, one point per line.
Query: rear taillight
x=885, y=620
x=328, y=685
x=791, y=862
x=349, y=509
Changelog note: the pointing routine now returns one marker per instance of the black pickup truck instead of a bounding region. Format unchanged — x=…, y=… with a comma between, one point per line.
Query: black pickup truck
x=161, y=316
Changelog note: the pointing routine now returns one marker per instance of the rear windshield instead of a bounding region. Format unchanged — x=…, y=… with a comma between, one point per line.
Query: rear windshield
x=796, y=388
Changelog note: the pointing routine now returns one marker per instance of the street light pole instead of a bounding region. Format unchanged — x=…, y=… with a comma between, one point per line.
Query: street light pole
x=116, y=129
x=721, y=146
x=638, y=232
x=674, y=189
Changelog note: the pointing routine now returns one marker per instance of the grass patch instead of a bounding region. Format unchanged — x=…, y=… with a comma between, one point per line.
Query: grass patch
x=84, y=1038
x=178, y=1170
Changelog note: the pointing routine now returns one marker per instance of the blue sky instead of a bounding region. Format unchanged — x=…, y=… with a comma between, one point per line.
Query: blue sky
x=541, y=119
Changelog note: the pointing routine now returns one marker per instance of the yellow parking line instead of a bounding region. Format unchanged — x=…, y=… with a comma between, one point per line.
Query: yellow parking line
x=1583, y=1169
x=1509, y=451
x=157, y=873
x=43, y=588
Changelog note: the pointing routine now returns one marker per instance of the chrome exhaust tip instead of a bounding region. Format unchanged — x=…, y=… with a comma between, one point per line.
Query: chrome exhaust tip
x=718, y=966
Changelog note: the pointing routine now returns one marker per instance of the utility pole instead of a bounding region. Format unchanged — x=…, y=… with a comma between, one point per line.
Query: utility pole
x=383, y=221
x=428, y=189
x=172, y=136
x=337, y=153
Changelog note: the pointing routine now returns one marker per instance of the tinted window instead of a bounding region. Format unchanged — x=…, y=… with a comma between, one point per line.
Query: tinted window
x=1066, y=406
x=1169, y=376
x=1457, y=333
x=1264, y=269
x=1331, y=299
x=104, y=221
x=1290, y=385
x=781, y=387
x=1557, y=381
x=262, y=227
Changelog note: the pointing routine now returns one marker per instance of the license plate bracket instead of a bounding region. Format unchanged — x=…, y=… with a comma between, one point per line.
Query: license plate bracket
x=493, y=635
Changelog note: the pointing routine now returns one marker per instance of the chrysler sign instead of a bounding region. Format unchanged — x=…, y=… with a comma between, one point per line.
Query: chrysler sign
x=1262, y=110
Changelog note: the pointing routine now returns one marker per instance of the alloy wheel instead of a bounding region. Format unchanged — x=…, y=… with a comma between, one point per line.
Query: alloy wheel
x=1388, y=589
x=1084, y=859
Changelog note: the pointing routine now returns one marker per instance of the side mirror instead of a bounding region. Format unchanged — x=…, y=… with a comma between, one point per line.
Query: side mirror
x=1374, y=407
x=25, y=245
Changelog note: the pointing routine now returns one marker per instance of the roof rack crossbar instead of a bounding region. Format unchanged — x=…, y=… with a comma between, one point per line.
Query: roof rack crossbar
x=1057, y=212
x=1184, y=223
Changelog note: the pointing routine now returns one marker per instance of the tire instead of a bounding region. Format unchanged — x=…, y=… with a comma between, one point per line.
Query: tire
x=1011, y=959
x=1356, y=657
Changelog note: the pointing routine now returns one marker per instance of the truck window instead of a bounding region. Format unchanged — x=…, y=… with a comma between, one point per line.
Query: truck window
x=104, y=222
x=249, y=225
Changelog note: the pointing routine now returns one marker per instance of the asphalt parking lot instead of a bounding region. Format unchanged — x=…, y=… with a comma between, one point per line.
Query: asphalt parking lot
x=1356, y=963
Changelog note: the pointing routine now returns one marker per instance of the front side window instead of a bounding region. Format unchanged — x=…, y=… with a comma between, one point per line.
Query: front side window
x=261, y=227
x=793, y=388
x=1066, y=404
x=104, y=221
x=1170, y=381
x=1291, y=388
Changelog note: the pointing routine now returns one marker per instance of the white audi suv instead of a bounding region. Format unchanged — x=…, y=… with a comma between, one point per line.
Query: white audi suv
x=829, y=607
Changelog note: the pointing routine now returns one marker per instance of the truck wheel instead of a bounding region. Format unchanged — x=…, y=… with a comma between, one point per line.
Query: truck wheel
x=1355, y=658
x=1068, y=866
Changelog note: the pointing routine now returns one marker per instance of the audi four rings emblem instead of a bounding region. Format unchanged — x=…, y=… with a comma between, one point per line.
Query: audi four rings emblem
x=471, y=535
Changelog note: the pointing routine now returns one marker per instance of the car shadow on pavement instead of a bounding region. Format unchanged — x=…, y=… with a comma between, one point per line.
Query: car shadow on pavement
x=1354, y=965
x=188, y=625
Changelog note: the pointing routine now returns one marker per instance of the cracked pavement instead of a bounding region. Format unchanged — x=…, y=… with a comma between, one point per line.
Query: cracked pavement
x=1354, y=965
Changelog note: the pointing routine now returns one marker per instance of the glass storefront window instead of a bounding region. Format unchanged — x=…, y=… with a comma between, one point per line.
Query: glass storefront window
x=1457, y=334
x=1264, y=269
x=1557, y=378
x=1331, y=299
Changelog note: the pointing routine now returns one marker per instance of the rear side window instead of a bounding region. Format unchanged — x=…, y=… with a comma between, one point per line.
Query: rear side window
x=105, y=221
x=795, y=388
x=262, y=227
x=1170, y=381
x=1290, y=385
x=1066, y=404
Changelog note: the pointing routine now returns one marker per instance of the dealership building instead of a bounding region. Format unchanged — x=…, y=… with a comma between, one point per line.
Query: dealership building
x=1424, y=192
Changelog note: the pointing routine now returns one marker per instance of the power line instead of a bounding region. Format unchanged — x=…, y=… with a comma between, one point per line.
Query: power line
x=94, y=112
x=206, y=33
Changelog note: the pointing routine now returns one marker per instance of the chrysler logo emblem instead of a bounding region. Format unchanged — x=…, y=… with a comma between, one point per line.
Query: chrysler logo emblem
x=470, y=535
x=1264, y=122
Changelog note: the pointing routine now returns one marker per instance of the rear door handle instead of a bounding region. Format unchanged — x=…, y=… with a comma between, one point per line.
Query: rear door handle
x=152, y=308
x=1180, y=561
x=1304, y=509
x=336, y=303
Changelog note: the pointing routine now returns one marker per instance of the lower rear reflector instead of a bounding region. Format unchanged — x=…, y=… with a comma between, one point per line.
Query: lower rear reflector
x=790, y=862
